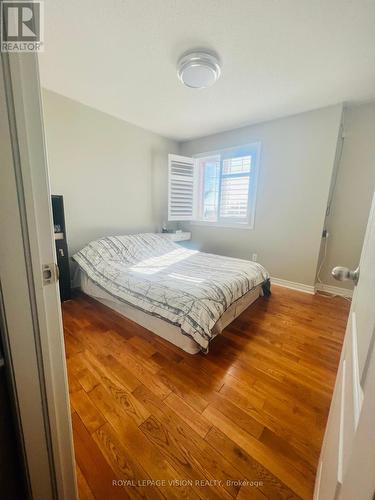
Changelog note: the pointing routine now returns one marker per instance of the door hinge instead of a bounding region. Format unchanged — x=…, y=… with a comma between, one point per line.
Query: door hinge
x=50, y=273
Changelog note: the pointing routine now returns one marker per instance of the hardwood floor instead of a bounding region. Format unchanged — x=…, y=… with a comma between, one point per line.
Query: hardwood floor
x=245, y=421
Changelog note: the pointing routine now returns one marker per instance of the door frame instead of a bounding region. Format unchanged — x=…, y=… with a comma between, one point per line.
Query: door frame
x=30, y=309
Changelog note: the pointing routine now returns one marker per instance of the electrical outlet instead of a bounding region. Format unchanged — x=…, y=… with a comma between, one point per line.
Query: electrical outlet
x=254, y=257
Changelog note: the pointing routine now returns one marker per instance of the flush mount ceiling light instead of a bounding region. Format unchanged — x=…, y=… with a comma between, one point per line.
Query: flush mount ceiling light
x=198, y=69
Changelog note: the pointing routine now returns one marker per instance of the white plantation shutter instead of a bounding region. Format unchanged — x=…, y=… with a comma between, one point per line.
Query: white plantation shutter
x=235, y=184
x=181, y=188
x=218, y=188
x=234, y=198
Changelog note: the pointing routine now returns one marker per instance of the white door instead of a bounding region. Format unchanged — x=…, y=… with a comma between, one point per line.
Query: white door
x=347, y=462
x=30, y=311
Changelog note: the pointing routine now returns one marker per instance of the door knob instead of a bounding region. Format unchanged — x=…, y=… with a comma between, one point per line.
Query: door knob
x=345, y=274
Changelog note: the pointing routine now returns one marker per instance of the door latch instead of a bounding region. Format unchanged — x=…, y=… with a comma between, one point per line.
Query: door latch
x=50, y=273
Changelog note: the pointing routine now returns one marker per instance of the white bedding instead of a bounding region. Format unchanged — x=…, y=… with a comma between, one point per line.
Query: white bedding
x=162, y=328
x=187, y=288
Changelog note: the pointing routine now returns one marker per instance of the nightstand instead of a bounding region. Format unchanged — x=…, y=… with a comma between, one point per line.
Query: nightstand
x=183, y=236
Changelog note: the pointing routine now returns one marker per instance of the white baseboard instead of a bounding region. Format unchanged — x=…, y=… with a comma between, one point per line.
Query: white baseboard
x=334, y=290
x=321, y=287
x=294, y=286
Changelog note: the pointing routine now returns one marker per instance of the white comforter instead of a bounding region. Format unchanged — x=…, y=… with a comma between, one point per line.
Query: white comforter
x=188, y=288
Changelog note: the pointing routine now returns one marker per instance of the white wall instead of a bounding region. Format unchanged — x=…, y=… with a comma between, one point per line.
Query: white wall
x=295, y=172
x=113, y=175
x=353, y=192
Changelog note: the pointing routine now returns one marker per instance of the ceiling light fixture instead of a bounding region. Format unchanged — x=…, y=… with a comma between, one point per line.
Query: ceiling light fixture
x=198, y=69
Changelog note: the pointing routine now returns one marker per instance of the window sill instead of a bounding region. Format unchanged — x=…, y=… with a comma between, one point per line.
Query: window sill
x=223, y=226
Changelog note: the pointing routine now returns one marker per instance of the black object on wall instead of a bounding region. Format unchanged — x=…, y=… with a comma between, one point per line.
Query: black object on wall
x=61, y=246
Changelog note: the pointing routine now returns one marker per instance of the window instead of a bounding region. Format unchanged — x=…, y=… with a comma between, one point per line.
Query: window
x=216, y=188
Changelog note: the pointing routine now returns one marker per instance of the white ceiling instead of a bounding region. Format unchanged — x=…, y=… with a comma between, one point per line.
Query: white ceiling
x=279, y=57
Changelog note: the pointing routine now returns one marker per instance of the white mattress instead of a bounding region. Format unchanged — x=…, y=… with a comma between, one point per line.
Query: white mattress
x=162, y=328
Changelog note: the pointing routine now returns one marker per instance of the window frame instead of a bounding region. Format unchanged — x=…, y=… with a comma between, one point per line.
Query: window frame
x=254, y=150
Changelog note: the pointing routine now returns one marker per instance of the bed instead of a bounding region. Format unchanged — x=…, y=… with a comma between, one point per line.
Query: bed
x=185, y=296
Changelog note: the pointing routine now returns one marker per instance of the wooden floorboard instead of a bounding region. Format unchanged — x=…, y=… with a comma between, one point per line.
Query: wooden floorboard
x=244, y=421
